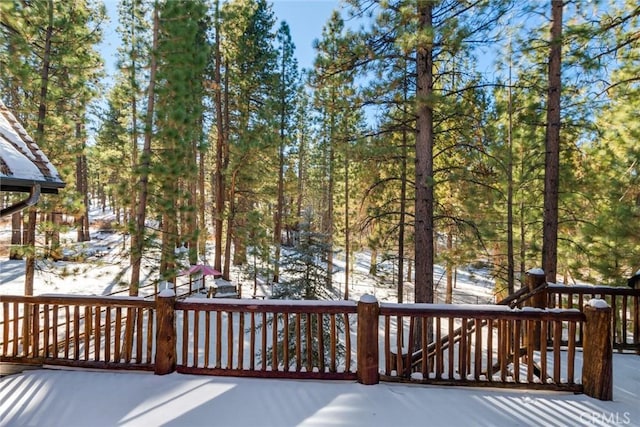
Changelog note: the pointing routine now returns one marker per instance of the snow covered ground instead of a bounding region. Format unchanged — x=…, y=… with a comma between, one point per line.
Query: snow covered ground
x=48, y=397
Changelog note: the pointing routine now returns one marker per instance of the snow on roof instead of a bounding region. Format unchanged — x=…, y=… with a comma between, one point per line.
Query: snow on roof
x=22, y=163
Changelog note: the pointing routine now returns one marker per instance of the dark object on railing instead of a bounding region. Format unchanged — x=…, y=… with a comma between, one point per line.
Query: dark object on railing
x=634, y=281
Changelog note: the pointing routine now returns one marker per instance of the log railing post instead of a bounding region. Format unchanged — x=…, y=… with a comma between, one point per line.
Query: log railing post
x=368, y=312
x=533, y=279
x=597, y=368
x=166, y=333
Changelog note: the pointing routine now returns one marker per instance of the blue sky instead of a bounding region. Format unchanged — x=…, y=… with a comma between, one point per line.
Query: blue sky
x=305, y=18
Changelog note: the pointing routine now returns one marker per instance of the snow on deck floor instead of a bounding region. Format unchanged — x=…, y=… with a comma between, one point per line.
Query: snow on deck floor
x=89, y=398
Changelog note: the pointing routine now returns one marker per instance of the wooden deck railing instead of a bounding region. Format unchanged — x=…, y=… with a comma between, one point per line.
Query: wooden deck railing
x=480, y=345
x=86, y=331
x=284, y=339
x=624, y=303
x=497, y=345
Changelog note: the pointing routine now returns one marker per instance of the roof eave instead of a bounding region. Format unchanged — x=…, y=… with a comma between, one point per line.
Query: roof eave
x=25, y=186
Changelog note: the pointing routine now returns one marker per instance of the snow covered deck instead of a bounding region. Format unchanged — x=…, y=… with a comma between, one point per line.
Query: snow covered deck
x=81, y=398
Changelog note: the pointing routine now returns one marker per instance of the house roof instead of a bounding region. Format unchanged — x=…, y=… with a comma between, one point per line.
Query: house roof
x=22, y=164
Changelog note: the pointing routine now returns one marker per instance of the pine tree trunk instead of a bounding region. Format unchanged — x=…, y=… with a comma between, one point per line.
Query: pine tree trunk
x=510, y=250
x=30, y=263
x=347, y=236
x=16, y=236
x=450, y=267
x=133, y=204
x=192, y=213
x=82, y=221
x=219, y=174
x=230, y=228
x=424, y=232
x=373, y=262
x=277, y=228
x=137, y=238
x=202, y=225
x=403, y=200
x=552, y=152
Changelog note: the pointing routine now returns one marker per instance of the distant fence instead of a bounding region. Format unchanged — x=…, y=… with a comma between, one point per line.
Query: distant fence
x=368, y=341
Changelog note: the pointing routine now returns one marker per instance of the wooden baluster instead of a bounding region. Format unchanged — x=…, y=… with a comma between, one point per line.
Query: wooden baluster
x=298, y=342
x=636, y=323
x=45, y=329
x=557, y=355
x=451, y=346
x=623, y=341
x=241, y=341
x=196, y=334
x=117, y=336
x=320, y=342
x=462, y=350
x=399, y=344
x=489, y=350
x=274, y=341
x=139, y=334
x=543, y=351
x=469, y=338
x=5, y=329
x=333, y=339
x=107, y=336
x=614, y=319
x=185, y=337
x=477, y=363
x=97, y=343
x=308, y=342
x=571, y=352
x=207, y=337
x=347, y=339
x=16, y=328
x=387, y=345
x=532, y=326
x=252, y=342
x=150, y=334
x=230, y=336
x=516, y=350
x=127, y=346
x=439, y=355
x=503, y=347
x=424, y=347
x=35, y=331
x=87, y=330
x=264, y=341
x=219, y=338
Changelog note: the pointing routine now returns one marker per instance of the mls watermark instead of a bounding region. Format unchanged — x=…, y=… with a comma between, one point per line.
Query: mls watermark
x=596, y=418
